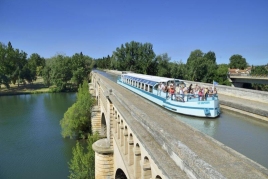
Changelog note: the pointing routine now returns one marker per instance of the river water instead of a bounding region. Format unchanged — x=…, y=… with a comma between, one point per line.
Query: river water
x=242, y=133
x=31, y=145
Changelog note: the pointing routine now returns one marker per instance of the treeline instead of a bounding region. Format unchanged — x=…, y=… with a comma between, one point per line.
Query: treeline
x=67, y=73
x=61, y=72
x=16, y=67
x=200, y=66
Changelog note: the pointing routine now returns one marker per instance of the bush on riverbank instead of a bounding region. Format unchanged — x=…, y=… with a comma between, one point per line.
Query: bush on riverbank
x=82, y=165
x=76, y=121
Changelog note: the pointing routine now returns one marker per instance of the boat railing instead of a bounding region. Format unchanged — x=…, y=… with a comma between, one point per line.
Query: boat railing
x=194, y=97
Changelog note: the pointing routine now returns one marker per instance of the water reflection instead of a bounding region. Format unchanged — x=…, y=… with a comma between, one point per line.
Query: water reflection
x=30, y=142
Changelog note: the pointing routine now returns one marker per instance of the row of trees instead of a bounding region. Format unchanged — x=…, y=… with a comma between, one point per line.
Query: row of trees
x=67, y=72
x=61, y=71
x=200, y=66
x=16, y=67
x=140, y=58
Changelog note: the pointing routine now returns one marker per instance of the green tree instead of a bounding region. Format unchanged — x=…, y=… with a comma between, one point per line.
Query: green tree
x=261, y=70
x=35, y=65
x=19, y=61
x=178, y=70
x=61, y=71
x=163, y=67
x=81, y=66
x=133, y=56
x=201, y=67
x=76, y=121
x=4, y=76
x=46, y=73
x=221, y=74
x=82, y=164
x=237, y=61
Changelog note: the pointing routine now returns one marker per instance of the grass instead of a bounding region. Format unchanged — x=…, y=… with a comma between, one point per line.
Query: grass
x=28, y=88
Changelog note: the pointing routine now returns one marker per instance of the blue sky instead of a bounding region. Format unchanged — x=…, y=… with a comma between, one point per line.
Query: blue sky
x=176, y=27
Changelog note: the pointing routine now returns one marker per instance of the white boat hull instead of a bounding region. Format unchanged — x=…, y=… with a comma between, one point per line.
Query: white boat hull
x=208, y=108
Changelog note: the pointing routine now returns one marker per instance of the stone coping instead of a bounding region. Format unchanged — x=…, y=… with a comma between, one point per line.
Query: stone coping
x=102, y=146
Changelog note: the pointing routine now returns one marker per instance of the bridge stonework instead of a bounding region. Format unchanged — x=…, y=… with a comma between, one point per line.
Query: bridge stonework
x=135, y=145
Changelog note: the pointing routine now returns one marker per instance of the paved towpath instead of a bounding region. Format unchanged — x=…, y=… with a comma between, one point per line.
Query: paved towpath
x=250, y=106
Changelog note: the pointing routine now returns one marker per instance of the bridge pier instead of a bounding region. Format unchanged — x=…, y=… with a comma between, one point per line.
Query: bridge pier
x=96, y=120
x=137, y=160
x=104, y=159
x=130, y=149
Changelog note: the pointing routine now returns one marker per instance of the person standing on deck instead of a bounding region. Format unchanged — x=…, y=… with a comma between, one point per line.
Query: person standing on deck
x=167, y=91
x=159, y=89
x=172, y=91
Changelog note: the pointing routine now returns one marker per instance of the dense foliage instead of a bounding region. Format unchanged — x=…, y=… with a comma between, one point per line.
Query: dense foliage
x=200, y=66
x=63, y=72
x=82, y=165
x=260, y=71
x=77, y=123
x=133, y=56
x=77, y=119
x=237, y=61
x=15, y=67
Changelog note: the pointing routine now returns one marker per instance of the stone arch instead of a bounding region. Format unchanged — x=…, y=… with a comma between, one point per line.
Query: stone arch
x=130, y=150
x=120, y=174
x=146, y=169
x=103, y=126
x=158, y=177
x=137, y=159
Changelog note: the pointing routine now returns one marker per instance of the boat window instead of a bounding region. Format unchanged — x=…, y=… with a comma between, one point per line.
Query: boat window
x=156, y=87
x=151, y=89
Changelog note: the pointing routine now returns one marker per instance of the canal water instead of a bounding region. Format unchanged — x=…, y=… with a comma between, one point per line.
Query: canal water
x=242, y=133
x=31, y=145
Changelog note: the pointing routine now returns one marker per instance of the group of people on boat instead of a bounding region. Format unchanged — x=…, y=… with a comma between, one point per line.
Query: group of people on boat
x=179, y=91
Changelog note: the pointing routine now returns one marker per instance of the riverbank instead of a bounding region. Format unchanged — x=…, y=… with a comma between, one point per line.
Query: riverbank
x=28, y=88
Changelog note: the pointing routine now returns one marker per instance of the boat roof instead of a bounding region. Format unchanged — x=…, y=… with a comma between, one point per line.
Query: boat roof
x=148, y=79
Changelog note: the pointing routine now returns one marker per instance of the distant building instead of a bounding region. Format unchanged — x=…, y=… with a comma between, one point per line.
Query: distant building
x=237, y=71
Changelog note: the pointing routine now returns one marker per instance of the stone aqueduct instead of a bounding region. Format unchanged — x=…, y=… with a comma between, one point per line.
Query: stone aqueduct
x=130, y=149
x=119, y=142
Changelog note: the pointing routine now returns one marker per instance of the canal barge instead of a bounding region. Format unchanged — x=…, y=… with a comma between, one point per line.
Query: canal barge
x=149, y=87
